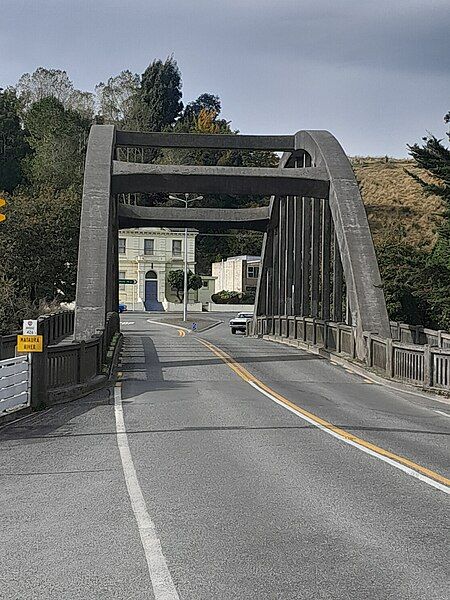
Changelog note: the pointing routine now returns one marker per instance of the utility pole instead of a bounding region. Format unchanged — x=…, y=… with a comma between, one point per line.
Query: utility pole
x=186, y=202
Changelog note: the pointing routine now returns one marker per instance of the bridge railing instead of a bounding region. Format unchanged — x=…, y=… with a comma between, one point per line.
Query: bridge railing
x=423, y=365
x=57, y=326
x=70, y=368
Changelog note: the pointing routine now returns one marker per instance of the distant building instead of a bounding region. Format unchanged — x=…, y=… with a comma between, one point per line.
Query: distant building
x=147, y=255
x=237, y=273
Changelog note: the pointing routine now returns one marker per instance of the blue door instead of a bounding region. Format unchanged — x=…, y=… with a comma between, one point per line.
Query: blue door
x=151, y=295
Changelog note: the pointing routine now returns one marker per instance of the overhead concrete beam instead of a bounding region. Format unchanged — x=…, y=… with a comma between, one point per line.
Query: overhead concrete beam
x=147, y=178
x=130, y=139
x=255, y=219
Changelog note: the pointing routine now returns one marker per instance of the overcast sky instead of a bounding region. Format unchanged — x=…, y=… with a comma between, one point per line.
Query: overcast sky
x=374, y=73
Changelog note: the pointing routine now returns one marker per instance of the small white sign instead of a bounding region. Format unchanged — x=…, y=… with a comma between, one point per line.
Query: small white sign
x=30, y=327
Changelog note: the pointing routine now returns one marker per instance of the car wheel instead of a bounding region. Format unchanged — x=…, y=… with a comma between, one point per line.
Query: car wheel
x=233, y=331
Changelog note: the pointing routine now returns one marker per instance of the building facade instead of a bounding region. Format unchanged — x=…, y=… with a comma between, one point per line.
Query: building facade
x=147, y=255
x=237, y=274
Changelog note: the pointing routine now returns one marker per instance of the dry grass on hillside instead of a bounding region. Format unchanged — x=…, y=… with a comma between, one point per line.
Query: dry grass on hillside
x=396, y=205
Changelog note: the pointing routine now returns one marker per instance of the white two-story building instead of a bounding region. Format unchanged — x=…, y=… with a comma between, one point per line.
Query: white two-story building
x=146, y=255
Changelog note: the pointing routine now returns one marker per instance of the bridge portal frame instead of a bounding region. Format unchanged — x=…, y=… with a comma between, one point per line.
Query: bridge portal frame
x=314, y=191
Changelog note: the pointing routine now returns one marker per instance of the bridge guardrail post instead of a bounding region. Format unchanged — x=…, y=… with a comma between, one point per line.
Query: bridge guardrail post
x=369, y=349
x=353, y=343
x=81, y=361
x=390, y=358
x=39, y=366
x=427, y=366
x=338, y=338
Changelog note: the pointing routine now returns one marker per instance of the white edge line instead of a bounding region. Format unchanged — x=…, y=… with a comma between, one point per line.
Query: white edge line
x=393, y=463
x=441, y=412
x=162, y=582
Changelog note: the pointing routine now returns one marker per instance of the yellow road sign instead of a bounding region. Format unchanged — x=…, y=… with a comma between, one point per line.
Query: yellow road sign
x=2, y=203
x=29, y=343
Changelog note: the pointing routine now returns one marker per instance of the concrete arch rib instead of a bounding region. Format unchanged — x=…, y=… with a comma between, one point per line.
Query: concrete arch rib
x=362, y=276
x=98, y=254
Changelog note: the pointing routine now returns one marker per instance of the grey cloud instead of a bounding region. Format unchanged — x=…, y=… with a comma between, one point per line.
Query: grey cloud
x=375, y=73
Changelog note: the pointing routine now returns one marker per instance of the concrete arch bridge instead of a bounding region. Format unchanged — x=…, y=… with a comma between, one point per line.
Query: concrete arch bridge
x=318, y=259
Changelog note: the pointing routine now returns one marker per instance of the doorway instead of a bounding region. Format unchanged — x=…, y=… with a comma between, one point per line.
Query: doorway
x=151, y=292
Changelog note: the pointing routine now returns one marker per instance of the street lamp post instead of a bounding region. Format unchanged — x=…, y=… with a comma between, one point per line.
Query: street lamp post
x=186, y=200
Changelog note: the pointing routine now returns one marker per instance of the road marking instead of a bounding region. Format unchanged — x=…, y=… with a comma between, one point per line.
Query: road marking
x=442, y=413
x=127, y=322
x=162, y=582
x=167, y=325
x=404, y=464
x=181, y=333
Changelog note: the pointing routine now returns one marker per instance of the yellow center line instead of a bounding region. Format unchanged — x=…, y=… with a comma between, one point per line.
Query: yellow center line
x=249, y=378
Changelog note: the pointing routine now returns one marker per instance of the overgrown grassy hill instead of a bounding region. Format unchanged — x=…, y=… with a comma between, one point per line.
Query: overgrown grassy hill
x=396, y=205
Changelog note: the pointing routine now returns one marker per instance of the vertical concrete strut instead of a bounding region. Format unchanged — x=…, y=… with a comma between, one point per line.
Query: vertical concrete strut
x=326, y=259
x=290, y=215
x=306, y=256
x=298, y=244
x=315, y=255
x=282, y=255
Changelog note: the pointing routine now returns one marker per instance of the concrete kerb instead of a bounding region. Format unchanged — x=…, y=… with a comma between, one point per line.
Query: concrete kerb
x=359, y=370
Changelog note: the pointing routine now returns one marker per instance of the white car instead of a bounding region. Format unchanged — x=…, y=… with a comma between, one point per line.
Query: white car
x=239, y=323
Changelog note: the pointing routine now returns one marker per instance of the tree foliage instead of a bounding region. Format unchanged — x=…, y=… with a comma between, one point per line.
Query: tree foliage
x=160, y=93
x=57, y=137
x=40, y=244
x=116, y=98
x=176, y=281
x=434, y=157
x=54, y=83
x=13, y=146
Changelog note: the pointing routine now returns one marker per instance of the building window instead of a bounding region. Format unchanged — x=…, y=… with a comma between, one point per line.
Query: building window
x=149, y=247
x=122, y=276
x=122, y=245
x=176, y=247
x=252, y=272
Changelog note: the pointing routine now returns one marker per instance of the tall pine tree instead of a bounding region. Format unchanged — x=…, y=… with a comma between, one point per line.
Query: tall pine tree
x=13, y=146
x=161, y=94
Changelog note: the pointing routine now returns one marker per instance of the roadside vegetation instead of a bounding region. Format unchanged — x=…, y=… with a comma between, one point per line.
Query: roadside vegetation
x=44, y=128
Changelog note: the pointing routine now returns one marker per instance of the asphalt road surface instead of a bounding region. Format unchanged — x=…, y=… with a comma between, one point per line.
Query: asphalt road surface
x=227, y=468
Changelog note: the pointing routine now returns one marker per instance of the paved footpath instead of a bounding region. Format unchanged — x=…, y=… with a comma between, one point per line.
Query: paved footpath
x=227, y=468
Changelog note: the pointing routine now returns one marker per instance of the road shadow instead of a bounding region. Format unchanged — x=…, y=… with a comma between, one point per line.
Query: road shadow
x=37, y=435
